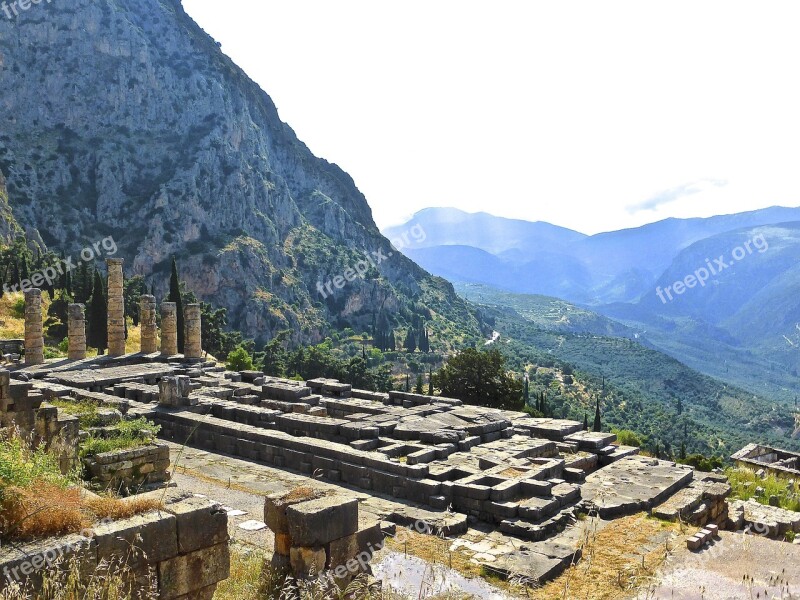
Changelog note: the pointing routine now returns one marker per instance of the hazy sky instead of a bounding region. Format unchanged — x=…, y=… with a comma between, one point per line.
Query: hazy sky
x=591, y=115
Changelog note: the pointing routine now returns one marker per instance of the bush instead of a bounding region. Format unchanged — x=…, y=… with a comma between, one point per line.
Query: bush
x=626, y=437
x=18, y=308
x=240, y=360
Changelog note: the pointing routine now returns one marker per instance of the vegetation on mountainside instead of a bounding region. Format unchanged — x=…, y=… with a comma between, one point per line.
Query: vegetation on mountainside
x=480, y=377
x=642, y=390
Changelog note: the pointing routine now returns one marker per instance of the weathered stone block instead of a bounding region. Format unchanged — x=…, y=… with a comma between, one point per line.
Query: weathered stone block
x=319, y=522
x=307, y=561
x=194, y=571
x=147, y=538
x=199, y=524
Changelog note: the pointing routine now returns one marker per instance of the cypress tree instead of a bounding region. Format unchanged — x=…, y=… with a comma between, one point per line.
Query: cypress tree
x=430, y=381
x=408, y=382
x=419, y=389
x=585, y=422
x=411, y=340
x=598, y=425
x=392, y=342
x=526, y=391
x=175, y=296
x=98, y=316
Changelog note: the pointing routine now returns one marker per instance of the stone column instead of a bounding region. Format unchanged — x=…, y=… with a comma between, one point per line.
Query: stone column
x=116, y=307
x=193, y=336
x=169, y=329
x=147, y=318
x=76, y=319
x=34, y=335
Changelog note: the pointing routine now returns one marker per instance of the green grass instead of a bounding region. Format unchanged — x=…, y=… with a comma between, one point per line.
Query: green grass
x=21, y=466
x=127, y=435
x=745, y=482
x=86, y=412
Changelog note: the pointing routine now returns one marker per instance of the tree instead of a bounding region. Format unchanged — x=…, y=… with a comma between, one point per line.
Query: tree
x=175, y=296
x=419, y=389
x=275, y=356
x=134, y=288
x=598, y=425
x=97, y=317
x=408, y=383
x=526, y=391
x=82, y=283
x=480, y=377
x=430, y=381
x=585, y=422
x=240, y=360
x=411, y=341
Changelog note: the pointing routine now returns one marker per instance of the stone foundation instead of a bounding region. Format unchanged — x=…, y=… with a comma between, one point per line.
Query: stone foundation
x=128, y=469
x=182, y=549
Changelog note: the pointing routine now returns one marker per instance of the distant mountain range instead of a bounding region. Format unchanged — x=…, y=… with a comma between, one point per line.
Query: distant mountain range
x=734, y=313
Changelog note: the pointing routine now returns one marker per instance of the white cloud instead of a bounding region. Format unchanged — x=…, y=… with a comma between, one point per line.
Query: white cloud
x=564, y=112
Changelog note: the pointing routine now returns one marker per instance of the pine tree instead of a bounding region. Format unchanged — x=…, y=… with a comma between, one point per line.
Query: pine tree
x=598, y=425
x=97, y=316
x=430, y=381
x=175, y=296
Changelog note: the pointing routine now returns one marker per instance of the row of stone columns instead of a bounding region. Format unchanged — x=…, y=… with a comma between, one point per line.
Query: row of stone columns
x=34, y=335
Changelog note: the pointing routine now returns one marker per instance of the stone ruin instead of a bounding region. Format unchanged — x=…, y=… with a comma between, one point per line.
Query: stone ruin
x=526, y=478
x=318, y=535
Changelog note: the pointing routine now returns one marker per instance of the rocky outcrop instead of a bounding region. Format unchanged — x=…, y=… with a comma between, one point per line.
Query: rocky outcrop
x=8, y=226
x=126, y=119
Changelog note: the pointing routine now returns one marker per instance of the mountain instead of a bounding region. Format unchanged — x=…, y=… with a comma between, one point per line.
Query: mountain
x=127, y=120
x=9, y=227
x=742, y=325
x=539, y=258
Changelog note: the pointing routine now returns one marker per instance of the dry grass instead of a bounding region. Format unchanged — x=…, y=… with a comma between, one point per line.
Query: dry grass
x=107, y=507
x=13, y=327
x=615, y=560
x=46, y=510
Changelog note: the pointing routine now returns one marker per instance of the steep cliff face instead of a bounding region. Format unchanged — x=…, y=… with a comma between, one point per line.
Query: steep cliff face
x=8, y=225
x=123, y=118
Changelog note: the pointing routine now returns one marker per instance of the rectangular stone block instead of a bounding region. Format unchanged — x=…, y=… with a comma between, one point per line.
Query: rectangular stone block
x=319, y=522
x=199, y=524
x=147, y=538
x=191, y=572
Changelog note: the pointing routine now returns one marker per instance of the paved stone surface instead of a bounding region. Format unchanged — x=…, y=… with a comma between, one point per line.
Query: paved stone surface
x=634, y=484
x=735, y=567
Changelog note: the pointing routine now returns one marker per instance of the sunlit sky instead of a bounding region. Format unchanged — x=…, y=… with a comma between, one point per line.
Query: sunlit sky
x=590, y=115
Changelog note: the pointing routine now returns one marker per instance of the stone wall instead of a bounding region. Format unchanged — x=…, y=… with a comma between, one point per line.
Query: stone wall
x=128, y=469
x=182, y=549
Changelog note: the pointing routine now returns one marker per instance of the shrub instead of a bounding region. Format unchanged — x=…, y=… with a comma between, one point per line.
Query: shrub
x=240, y=360
x=626, y=437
